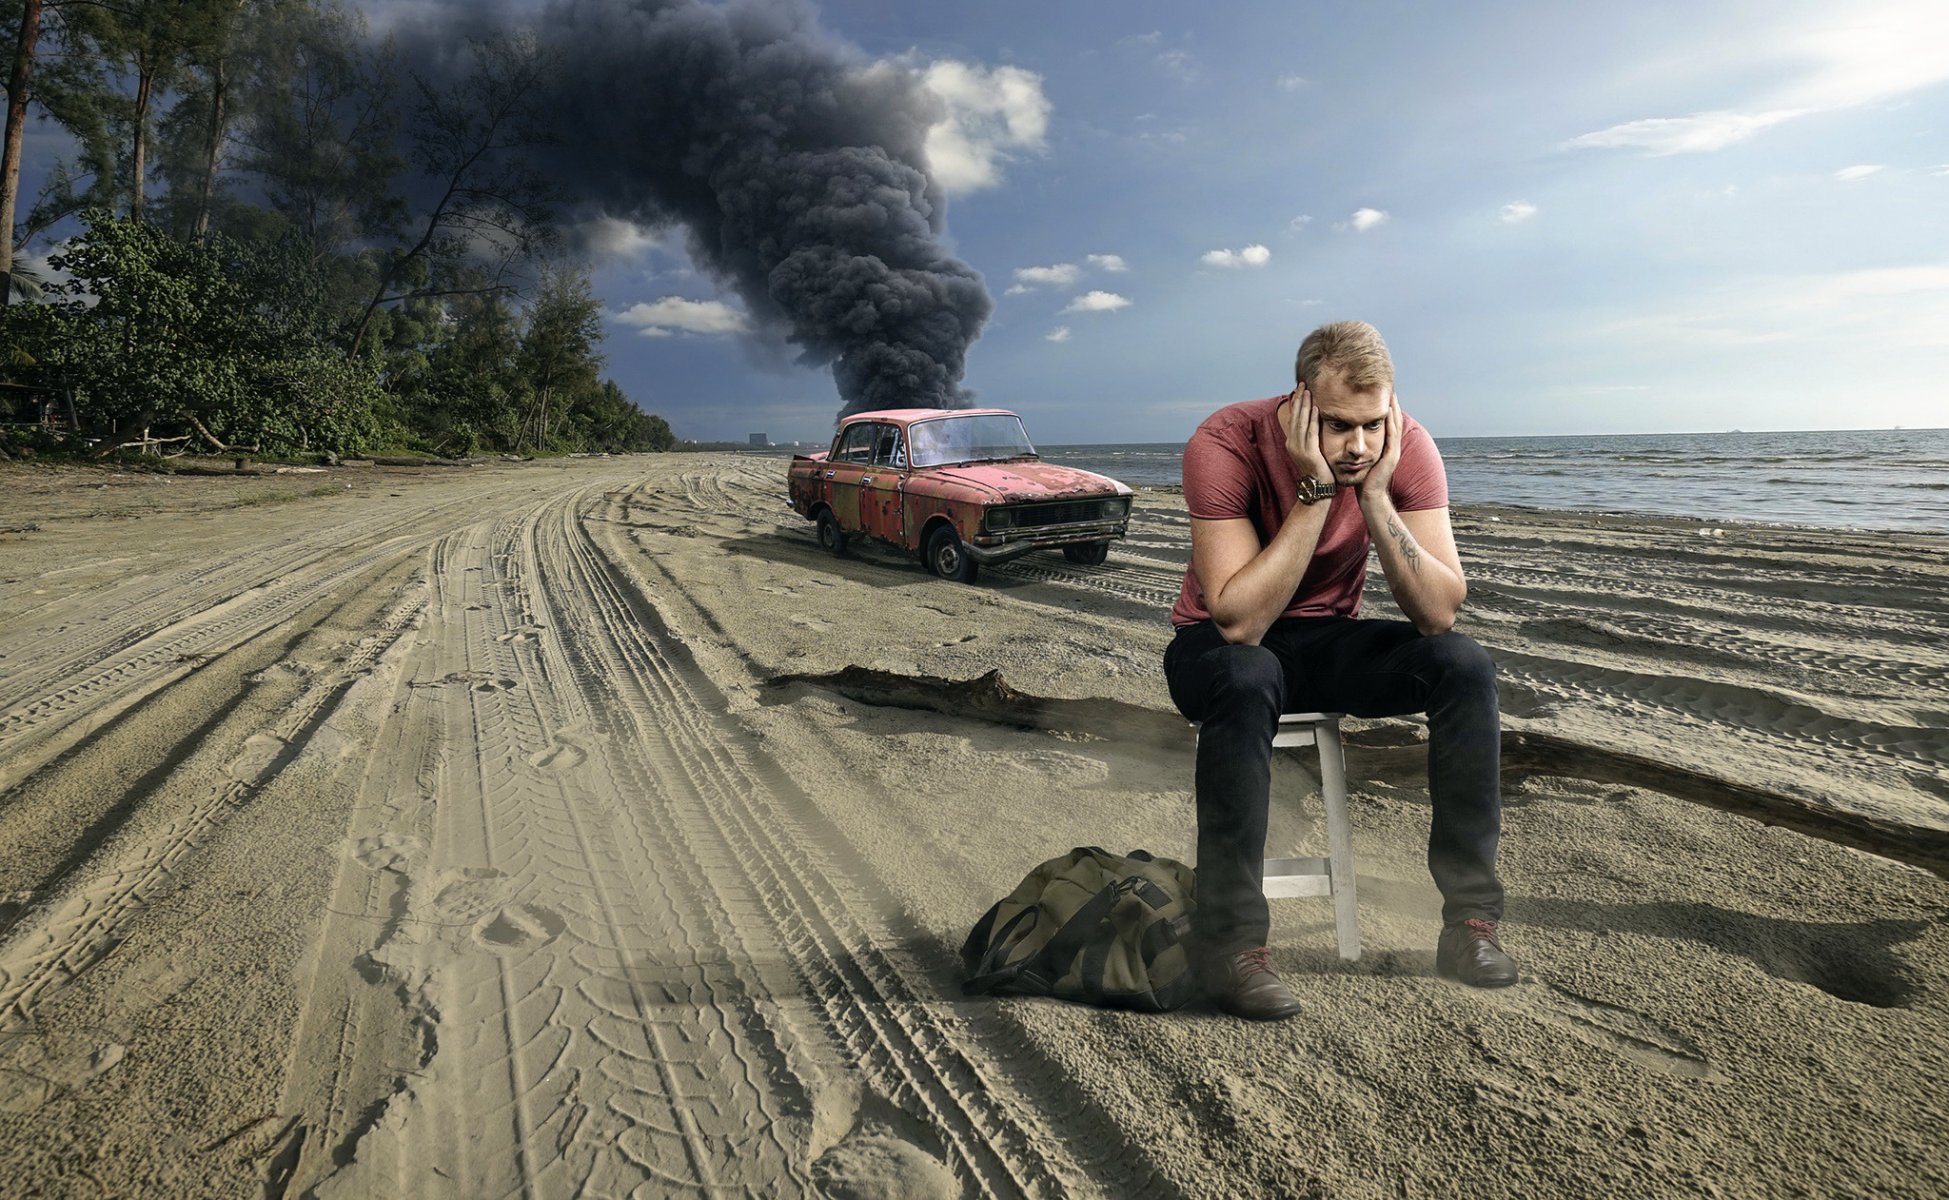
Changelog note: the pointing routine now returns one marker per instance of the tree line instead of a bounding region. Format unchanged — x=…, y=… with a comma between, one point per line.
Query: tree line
x=272, y=234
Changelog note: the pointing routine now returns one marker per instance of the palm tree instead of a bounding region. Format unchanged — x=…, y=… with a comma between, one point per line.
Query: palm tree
x=25, y=283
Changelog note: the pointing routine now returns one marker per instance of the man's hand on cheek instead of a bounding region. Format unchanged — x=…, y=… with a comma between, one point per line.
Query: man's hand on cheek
x=1382, y=472
x=1303, y=437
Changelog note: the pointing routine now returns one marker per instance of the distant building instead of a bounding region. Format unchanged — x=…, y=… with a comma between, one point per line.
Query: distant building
x=759, y=439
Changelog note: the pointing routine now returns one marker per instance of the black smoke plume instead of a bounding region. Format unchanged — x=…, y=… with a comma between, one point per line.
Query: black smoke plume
x=794, y=165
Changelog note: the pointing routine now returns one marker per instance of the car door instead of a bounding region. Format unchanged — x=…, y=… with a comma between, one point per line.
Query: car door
x=851, y=460
x=883, y=488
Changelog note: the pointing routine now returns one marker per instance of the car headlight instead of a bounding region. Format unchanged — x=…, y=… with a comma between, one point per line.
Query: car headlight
x=1001, y=518
x=1118, y=507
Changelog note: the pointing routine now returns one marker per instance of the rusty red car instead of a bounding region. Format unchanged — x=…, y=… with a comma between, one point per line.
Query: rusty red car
x=959, y=487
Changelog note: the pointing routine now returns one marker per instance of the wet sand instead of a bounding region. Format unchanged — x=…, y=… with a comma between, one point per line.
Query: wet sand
x=444, y=832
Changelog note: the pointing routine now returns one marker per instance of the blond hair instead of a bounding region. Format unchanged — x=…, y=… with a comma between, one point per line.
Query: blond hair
x=1353, y=349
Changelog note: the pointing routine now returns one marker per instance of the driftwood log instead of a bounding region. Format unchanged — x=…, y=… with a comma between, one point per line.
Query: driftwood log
x=990, y=698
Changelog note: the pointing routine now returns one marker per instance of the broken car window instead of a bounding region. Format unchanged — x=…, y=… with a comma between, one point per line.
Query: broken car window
x=985, y=437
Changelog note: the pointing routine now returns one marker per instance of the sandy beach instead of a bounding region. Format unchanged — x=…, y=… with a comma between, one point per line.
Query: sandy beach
x=442, y=831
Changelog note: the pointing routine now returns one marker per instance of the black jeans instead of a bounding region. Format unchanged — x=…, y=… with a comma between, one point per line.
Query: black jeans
x=1334, y=664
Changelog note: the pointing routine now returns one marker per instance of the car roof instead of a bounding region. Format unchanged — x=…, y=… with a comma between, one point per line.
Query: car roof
x=905, y=415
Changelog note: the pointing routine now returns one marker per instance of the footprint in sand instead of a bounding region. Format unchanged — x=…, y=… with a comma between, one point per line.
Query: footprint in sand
x=516, y=928
x=561, y=756
x=386, y=852
x=466, y=894
x=32, y=1077
x=812, y=623
x=1612, y=1027
x=481, y=681
x=521, y=633
x=260, y=751
x=879, y=1162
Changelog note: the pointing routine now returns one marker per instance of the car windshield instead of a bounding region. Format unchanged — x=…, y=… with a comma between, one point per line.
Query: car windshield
x=981, y=438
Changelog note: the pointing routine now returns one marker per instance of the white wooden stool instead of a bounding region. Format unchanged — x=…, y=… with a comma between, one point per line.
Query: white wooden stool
x=1332, y=875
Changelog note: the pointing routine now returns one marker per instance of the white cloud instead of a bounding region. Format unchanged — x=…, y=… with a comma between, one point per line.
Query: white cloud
x=1661, y=136
x=1885, y=307
x=1017, y=289
x=1059, y=275
x=1861, y=53
x=1292, y=83
x=1516, y=212
x=1059, y=334
x=989, y=114
x=1878, y=281
x=613, y=237
x=1364, y=219
x=1179, y=65
x=1254, y=255
x=1844, y=56
x=1850, y=174
x=1940, y=169
x=1299, y=222
x=1108, y=262
x=674, y=314
x=1097, y=302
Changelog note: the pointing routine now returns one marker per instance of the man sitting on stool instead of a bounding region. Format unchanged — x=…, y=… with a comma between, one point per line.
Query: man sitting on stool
x=1286, y=494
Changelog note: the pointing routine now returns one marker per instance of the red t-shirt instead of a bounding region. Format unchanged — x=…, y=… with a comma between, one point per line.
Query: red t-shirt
x=1236, y=465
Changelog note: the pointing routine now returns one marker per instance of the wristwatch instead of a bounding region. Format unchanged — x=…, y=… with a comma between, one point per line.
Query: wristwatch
x=1311, y=489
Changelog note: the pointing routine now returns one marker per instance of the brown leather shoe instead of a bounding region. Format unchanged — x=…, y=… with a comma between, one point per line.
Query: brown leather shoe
x=1244, y=985
x=1470, y=953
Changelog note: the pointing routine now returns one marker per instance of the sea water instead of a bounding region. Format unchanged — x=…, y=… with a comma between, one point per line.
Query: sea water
x=1852, y=478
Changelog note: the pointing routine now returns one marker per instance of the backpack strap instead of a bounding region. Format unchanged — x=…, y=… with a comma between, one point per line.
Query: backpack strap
x=1040, y=970
x=1158, y=937
x=986, y=972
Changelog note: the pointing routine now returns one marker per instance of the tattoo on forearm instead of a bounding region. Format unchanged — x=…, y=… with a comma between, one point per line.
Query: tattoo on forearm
x=1405, y=541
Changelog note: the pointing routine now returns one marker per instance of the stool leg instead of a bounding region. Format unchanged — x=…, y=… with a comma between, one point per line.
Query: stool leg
x=1339, y=838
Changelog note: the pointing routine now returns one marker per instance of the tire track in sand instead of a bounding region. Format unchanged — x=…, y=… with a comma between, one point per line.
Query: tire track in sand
x=583, y=1011
x=62, y=688
x=89, y=914
x=636, y=978
x=997, y=1118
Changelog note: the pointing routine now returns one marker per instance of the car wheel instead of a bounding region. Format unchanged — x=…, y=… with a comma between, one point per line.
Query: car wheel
x=947, y=557
x=1089, y=554
x=831, y=536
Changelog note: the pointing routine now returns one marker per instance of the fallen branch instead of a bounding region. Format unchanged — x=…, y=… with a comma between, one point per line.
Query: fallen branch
x=990, y=698
x=207, y=435
x=143, y=443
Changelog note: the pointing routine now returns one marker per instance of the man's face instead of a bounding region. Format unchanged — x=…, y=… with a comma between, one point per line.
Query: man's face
x=1353, y=427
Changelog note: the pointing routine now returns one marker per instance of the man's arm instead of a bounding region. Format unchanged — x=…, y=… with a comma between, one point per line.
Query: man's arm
x=1247, y=585
x=1417, y=549
x=1418, y=556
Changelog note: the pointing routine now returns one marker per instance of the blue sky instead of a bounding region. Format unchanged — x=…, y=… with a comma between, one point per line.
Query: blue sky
x=1564, y=218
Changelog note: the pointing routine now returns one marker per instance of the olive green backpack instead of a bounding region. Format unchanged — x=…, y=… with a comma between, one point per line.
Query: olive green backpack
x=1093, y=927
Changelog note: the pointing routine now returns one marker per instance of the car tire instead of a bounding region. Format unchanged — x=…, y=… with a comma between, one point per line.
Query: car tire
x=831, y=536
x=1089, y=554
x=946, y=556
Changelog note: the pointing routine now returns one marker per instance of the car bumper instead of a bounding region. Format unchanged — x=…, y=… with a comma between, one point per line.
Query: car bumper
x=990, y=548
